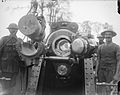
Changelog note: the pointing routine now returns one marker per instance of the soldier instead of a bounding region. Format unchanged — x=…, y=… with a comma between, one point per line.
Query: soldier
x=10, y=61
x=100, y=38
x=108, y=61
x=101, y=41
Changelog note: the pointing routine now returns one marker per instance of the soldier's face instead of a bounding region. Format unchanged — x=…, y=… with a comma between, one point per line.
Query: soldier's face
x=13, y=31
x=108, y=36
x=100, y=38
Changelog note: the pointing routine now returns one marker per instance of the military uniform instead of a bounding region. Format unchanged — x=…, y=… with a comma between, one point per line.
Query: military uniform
x=108, y=54
x=10, y=63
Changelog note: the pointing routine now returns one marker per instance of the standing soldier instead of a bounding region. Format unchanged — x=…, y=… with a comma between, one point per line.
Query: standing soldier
x=100, y=39
x=108, y=61
x=10, y=61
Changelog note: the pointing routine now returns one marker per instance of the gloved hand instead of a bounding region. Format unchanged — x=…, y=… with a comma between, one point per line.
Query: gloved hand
x=115, y=79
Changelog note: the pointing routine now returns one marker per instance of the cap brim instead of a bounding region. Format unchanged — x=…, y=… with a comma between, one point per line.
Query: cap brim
x=113, y=33
x=11, y=28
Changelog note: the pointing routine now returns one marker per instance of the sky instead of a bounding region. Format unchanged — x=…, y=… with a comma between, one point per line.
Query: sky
x=92, y=10
x=98, y=11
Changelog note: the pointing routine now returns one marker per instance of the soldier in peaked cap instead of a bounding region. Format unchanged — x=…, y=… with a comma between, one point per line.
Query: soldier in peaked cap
x=10, y=61
x=108, y=60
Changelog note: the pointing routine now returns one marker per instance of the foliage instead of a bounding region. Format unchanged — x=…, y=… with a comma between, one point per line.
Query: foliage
x=57, y=10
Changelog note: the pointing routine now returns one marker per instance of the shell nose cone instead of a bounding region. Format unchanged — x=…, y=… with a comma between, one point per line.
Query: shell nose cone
x=77, y=46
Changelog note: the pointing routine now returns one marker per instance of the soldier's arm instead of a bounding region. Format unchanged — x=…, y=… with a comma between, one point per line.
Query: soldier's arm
x=18, y=43
x=1, y=43
x=117, y=73
x=98, y=58
x=1, y=47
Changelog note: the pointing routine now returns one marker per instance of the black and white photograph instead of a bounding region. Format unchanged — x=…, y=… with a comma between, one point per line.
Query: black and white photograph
x=59, y=47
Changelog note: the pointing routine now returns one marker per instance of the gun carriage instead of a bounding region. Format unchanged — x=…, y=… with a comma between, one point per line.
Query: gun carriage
x=62, y=59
